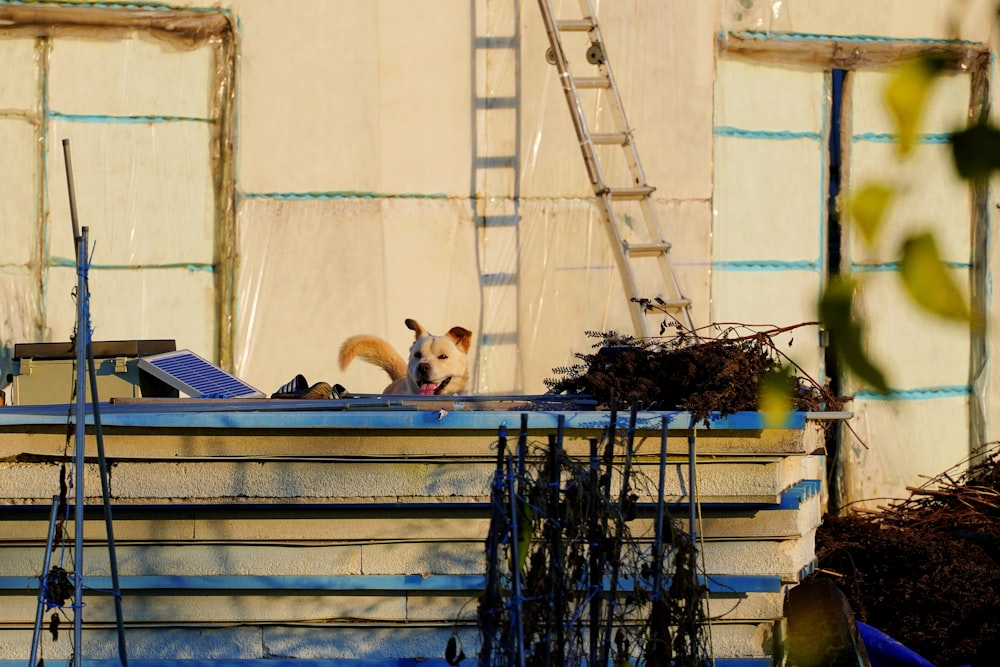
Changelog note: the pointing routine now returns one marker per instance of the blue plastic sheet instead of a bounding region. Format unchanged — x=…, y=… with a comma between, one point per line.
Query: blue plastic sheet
x=884, y=651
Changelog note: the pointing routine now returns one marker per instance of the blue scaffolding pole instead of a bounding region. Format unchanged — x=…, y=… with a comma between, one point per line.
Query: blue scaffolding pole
x=85, y=369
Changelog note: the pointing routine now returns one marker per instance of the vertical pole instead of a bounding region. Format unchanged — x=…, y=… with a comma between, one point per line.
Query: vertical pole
x=71, y=188
x=692, y=504
x=556, y=518
x=660, y=492
x=85, y=351
x=489, y=611
x=593, y=548
x=517, y=622
x=42, y=582
x=81, y=417
x=106, y=495
x=616, y=541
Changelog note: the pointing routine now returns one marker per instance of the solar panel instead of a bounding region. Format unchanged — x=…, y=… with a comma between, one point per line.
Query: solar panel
x=187, y=372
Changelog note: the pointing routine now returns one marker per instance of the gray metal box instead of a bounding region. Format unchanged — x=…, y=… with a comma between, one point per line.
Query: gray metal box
x=43, y=372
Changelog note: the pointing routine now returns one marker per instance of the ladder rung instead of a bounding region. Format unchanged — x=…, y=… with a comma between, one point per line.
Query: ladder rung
x=498, y=279
x=609, y=138
x=495, y=162
x=508, y=42
x=505, y=338
x=497, y=102
x=668, y=305
x=621, y=194
x=498, y=220
x=577, y=25
x=592, y=82
x=646, y=249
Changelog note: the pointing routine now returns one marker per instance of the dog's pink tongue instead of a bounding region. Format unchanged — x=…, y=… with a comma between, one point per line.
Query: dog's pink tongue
x=427, y=389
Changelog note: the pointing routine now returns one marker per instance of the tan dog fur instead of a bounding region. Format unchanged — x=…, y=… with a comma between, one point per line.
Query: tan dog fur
x=436, y=364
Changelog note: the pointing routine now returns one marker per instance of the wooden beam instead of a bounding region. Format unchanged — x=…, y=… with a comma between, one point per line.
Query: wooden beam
x=43, y=20
x=849, y=54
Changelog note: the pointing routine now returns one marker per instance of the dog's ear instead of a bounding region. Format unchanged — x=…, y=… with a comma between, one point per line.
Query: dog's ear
x=415, y=327
x=462, y=337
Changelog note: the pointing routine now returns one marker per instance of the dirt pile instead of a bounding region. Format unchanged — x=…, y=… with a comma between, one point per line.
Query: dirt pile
x=926, y=570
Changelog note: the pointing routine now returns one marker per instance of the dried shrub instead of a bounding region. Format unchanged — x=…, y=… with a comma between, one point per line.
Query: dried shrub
x=926, y=570
x=691, y=373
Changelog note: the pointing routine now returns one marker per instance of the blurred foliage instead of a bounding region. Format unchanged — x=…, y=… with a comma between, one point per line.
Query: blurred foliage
x=906, y=98
x=976, y=150
x=775, y=400
x=836, y=311
x=928, y=281
x=868, y=208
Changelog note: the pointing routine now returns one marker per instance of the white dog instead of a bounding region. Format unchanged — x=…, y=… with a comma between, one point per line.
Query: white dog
x=437, y=364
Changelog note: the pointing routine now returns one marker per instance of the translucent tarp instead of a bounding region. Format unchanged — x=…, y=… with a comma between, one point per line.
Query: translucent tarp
x=392, y=159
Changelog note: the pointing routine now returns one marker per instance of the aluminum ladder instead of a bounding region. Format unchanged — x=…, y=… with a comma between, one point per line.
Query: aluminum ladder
x=614, y=198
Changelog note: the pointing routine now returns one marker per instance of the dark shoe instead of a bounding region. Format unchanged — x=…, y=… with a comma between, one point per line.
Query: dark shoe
x=321, y=390
x=300, y=389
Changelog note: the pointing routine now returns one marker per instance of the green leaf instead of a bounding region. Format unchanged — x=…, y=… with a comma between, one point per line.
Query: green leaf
x=976, y=151
x=906, y=98
x=525, y=530
x=836, y=312
x=929, y=281
x=868, y=208
x=775, y=400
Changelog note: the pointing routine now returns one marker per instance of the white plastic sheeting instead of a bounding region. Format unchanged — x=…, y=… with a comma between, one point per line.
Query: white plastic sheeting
x=926, y=426
x=137, y=114
x=393, y=159
x=399, y=197
x=769, y=230
x=773, y=239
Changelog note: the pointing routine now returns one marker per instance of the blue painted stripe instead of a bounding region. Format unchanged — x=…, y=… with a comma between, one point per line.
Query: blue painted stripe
x=793, y=497
x=766, y=265
x=894, y=266
x=919, y=394
x=130, y=5
x=448, y=583
x=820, y=37
x=108, y=118
x=281, y=414
x=65, y=262
x=264, y=662
x=890, y=138
x=344, y=194
x=743, y=133
x=327, y=662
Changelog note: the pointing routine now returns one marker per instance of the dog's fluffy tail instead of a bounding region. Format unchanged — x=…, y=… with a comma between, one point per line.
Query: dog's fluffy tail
x=376, y=351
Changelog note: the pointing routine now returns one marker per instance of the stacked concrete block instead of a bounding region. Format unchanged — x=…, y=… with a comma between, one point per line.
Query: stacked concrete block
x=358, y=536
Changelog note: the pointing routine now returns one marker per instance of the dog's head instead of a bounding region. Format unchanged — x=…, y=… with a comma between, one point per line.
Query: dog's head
x=439, y=364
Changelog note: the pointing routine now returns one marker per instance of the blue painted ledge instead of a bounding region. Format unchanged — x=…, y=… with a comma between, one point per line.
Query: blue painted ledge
x=351, y=414
x=351, y=584
x=333, y=662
